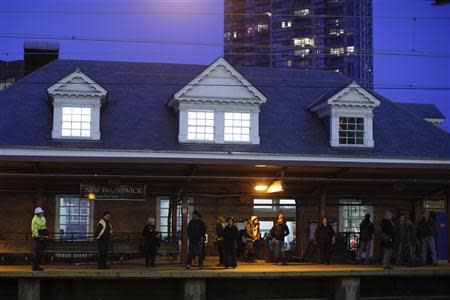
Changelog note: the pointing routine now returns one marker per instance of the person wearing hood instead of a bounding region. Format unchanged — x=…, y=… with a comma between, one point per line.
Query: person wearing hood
x=103, y=234
x=324, y=236
x=278, y=232
x=39, y=232
x=151, y=242
x=196, y=231
x=253, y=238
x=219, y=239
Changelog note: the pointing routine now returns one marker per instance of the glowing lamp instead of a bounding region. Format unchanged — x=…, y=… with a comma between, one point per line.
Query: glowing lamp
x=91, y=196
x=260, y=187
x=276, y=186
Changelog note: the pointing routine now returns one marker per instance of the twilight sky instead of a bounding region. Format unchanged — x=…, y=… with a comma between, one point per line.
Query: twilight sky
x=191, y=31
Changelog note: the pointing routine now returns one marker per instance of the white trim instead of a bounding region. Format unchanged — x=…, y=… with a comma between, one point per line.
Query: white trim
x=435, y=121
x=57, y=211
x=205, y=155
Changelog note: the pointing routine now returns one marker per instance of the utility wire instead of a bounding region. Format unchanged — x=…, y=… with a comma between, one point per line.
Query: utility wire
x=265, y=14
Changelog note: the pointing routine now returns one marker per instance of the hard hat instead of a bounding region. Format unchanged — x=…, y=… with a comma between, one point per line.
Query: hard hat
x=38, y=210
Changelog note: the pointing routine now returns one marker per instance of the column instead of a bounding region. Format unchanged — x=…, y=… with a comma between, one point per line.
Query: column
x=184, y=219
x=174, y=211
x=323, y=204
x=194, y=289
x=29, y=289
x=299, y=216
x=347, y=288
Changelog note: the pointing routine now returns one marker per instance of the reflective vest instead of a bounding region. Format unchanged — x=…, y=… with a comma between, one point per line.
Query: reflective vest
x=36, y=224
x=103, y=223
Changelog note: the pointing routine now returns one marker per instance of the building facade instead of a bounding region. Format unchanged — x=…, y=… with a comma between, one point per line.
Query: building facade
x=201, y=137
x=334, y=35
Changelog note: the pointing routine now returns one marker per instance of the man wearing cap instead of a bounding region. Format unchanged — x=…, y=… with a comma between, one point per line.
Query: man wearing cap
x=40, y=233
x=103, y=234
x=196, y=231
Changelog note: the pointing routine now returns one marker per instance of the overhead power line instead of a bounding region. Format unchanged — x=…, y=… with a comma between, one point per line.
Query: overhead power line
x=263, y=14
x=231, y=44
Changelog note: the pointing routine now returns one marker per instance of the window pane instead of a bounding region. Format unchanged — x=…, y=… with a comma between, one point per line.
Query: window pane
x=237, y=127
x=349, y=132
x=200, y=123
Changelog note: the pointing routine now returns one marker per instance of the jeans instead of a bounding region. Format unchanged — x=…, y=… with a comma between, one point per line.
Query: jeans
x=387, y=254
x=278, y=250
x=365, y=247
x=230, y=259
x=400, y=253
x=428, y=243
x=195, y=250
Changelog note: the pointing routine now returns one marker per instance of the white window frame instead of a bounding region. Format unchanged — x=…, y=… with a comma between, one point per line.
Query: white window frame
x=241, y=127
x=213, y=126
x=72, y=122
x=57, y=211
x=158, y=214
x=348, y=130
x=365, y=114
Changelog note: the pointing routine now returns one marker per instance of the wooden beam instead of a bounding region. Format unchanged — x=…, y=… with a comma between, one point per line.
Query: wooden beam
x=184, y=220
x=299, y=222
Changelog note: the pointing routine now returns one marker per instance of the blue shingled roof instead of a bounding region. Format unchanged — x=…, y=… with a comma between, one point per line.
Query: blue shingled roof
x=136, y=115
x=423, y=110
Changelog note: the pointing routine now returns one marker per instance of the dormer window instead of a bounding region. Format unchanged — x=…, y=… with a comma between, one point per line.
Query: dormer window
x=76, y=107
x=76, y=121
x=219, y=106
x=237, y=127
x=350, y=116
x=200, y=126
x=351, y=131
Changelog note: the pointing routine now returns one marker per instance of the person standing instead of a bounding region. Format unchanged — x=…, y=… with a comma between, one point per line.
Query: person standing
x=411, y=242
x=324, y=236
x=39, y=232
x=401, y=239
x=253, y=238
x=387, y=239
x=219, y=240
x=366, y=231
x=152, y=242
x=278, y=232
x=103, y=234
x=230, y=239
x=427, y=233
x=196, y=231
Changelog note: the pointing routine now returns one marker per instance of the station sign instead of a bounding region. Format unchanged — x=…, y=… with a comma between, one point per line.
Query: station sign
x=136, y=192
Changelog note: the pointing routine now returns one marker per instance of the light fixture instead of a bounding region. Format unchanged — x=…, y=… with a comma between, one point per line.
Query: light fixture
x=91, y=196
x=276, y=186
x=261, y=187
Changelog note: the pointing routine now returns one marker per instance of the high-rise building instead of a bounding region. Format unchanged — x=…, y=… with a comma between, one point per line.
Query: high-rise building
x=308, y=34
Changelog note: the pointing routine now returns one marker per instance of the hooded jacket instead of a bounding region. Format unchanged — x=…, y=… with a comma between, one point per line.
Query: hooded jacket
x=252, y=230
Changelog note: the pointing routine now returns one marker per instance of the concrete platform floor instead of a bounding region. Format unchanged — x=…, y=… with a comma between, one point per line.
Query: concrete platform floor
x=260, y=269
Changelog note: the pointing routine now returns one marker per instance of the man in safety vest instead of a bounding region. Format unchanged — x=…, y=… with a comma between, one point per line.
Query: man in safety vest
x=39, y=232
x=103, y=234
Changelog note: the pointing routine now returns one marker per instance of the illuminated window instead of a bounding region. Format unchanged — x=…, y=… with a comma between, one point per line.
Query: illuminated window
x=350, y=49
x=352, y=214
x=289, y=63
x=237, y=127
x=286, y=24
x=262, y=27
x=336, y=31
x=337, y=51
x=302, y=12
x=73, y=217
x=200, y=126
x=164, y=206
x=304, y=41
x=227, y=35
x=351, y=131
x=301, y=52
x=76, y=122
x=235, y=34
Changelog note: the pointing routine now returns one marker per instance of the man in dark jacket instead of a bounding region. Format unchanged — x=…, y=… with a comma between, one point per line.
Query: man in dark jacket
x=427, y=233
x=219, y=239
x=411, y=241
x=366, y=231
x=103, y=234
x=230, y=239
x=401, y=239
x=278, y=232
x=196, y=234
x=151, y=242
x=324, y=236
x=387, y=236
